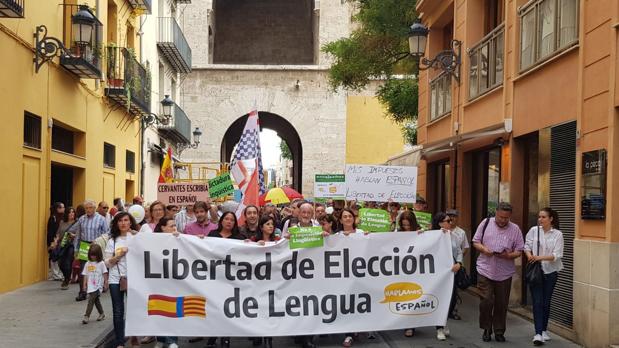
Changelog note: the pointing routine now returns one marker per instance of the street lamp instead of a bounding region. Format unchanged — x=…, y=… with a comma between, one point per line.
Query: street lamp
x=48, y=47
x=448, y=60
x=83, y=23
x=166, y=106
x=180, y=147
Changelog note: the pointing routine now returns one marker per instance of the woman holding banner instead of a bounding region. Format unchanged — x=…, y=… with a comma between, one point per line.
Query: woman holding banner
x=442, y=221
x=228, y=228
x=349, y=222
x=122, y=228
x=408, y=223
x=157, y=211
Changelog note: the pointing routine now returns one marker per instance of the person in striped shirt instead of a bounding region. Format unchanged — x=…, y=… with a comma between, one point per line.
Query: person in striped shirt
x=88, y=228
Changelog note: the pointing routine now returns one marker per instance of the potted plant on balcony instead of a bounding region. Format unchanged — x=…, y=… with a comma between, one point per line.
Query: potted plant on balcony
x=113, y=70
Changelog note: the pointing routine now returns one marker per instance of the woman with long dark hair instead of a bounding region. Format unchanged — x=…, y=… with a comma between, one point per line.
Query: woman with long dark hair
x=227, y=228
x=266, y=230
x=442, y=221
x=65, y=238
x=123, y=227
x=56, y=212
x=407, y=222
x=544, y=243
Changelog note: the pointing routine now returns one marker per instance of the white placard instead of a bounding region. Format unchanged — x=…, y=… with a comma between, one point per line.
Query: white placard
x=381, y=183
x=187, y=286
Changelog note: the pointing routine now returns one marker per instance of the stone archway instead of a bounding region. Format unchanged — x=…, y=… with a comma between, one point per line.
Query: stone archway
x=285, y=130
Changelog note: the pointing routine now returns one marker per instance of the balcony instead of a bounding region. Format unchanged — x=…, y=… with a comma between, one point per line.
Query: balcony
x=82, y=59
x=486, y=63
x=173, y=45
x=144, y=5
x=128, y=82
x=11, y=8
x=178, y=128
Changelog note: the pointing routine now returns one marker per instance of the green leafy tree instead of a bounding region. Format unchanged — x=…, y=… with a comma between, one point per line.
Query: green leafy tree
x=283, y=147
x=378, y=49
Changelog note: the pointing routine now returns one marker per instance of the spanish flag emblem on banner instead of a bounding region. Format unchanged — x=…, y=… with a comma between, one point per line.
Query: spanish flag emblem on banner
x=177, y=307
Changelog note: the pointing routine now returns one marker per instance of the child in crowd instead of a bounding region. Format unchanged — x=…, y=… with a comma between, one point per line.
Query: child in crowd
x=95, y=279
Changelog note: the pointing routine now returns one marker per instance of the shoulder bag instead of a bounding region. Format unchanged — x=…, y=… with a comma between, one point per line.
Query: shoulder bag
x=123, y=279
x=534, y=274
x=462, y=279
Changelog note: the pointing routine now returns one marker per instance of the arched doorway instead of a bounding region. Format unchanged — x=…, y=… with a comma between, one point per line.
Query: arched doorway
x=284, y=130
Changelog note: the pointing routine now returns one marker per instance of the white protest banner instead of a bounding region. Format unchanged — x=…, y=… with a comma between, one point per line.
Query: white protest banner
x=329, y=186
x=182, y=193
x=381, y=183
x=187, y=286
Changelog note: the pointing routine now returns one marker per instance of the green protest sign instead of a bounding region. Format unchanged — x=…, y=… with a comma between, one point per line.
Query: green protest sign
x=374, y=220
x=424, y=219
x=220, y=186
x=305, y=237
x=83, y=252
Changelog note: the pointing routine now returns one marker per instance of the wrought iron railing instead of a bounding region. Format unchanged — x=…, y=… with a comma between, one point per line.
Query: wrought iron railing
x=172, y=43
x=179, y=126
x=12, y=8
x=84, y=58
x=486, y=62
x=125, y=73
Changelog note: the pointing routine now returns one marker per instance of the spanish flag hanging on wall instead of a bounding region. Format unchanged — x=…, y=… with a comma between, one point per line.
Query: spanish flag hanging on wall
x=167, y=173
x=177, y=307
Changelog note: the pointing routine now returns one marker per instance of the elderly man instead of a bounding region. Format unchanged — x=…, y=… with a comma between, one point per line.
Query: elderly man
x=499, y=242
x=88, y=228
x=104, y=210
x=306, y=212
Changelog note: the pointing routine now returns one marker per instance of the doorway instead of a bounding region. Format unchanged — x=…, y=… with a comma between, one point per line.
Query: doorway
x=62, y=185
x=485, y=188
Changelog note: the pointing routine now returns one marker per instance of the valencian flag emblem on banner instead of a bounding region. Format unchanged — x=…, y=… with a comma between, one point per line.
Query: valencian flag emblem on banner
x=177, y=307
x=167, y=173
x=246, y=165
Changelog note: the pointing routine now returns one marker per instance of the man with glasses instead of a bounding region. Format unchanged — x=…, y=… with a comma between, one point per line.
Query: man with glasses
x=499, y=242
x=88, y=228
x=104, y=210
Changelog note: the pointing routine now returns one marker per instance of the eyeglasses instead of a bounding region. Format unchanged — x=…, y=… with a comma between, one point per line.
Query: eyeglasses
x=447, y=220
x=105, y=207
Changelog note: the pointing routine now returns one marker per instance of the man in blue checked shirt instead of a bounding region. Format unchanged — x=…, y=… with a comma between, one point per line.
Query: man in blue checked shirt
x=88, y=228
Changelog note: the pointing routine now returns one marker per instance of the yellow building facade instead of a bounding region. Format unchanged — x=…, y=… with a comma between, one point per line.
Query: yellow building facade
x=67, y=136
x=371, y=138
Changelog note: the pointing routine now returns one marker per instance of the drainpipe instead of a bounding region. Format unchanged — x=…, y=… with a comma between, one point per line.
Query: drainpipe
x=142, y=155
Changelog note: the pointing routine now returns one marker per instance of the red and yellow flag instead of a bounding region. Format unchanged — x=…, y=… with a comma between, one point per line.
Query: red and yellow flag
x=167, y=173
x=177, y=307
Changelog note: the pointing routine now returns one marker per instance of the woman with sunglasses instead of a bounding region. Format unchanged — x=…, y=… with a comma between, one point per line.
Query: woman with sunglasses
x=442, y=221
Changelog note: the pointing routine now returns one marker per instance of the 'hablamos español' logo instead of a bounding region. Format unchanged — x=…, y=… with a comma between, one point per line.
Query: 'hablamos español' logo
x=409, y=299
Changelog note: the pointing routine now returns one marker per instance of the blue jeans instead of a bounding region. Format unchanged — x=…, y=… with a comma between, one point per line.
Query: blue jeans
x=118, y=309
x=541, y=295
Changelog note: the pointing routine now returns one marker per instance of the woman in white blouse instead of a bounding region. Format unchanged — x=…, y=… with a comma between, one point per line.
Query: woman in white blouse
x=550, y=254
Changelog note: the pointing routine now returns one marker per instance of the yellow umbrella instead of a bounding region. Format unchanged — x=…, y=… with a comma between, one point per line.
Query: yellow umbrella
x=275, y=195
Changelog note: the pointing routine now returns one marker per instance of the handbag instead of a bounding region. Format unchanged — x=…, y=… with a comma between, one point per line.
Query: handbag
x=463, y=280
x=534, y=274
x=122, y=282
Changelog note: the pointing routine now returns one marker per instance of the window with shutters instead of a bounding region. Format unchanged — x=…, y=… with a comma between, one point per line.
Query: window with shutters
x=130, y=161
x=109, y=155
x=62, y=139
x=547, y=27
x=32, y=130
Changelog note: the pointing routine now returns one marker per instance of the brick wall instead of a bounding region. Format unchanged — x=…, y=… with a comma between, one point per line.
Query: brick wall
x=263, y=32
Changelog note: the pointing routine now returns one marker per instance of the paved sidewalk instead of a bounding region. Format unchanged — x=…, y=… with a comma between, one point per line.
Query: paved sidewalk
x=464, y=334
x=42, y=315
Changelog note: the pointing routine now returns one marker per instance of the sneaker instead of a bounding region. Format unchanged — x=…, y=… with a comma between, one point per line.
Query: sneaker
x=440, y=335
x=159, y=345
x=101, y=317
x=446, y=331
x=347, y=342
x=172, y=345
x=371, y=335
x=546, y=336
x=538, y=340
x=64, y=285
x=85, y=320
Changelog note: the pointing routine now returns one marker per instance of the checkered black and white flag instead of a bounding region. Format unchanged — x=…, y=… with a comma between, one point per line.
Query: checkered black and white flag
x=248, y=149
